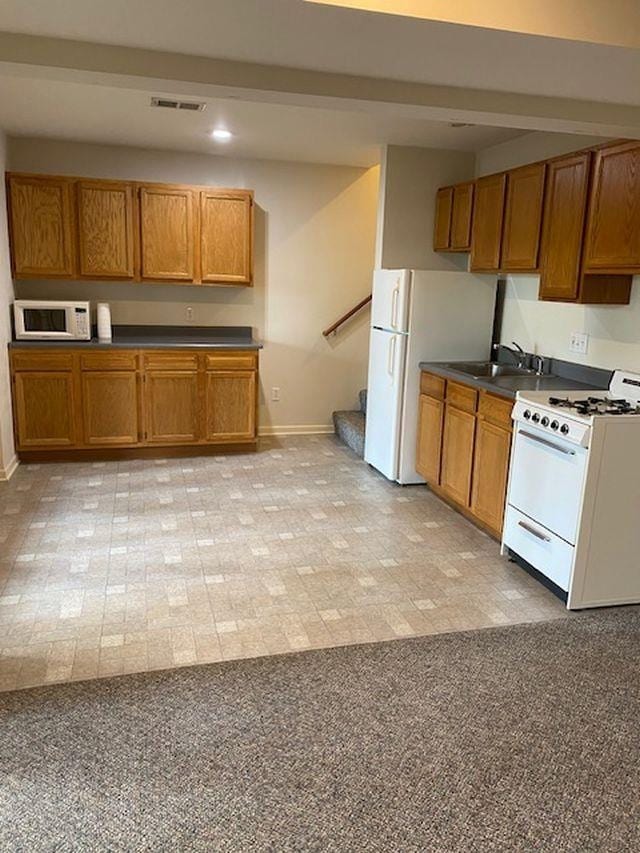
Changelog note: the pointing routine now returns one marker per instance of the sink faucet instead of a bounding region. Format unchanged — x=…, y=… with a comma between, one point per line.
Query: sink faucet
x=516, y=351
x=537, y=361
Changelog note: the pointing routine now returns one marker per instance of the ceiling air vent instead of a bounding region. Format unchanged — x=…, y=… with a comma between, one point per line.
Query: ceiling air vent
x=168, y=104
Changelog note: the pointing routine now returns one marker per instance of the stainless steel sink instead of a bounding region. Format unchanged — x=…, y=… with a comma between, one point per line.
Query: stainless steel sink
x=489, y=369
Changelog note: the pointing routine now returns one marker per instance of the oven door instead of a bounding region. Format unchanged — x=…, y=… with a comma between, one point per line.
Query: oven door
x=547, y=478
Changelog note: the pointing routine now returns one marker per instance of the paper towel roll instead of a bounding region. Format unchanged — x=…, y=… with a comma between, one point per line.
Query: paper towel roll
x=104, y=321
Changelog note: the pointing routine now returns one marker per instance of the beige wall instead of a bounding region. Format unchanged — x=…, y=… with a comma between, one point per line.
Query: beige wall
x=409, y=180
x=545, y=327
x=7, y=452
x=529, y=148
x=315, y=235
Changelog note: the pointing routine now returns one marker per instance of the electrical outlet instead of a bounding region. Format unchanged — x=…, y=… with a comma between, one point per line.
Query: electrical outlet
x=579, y=342
x=275, y=394
x=189, y=313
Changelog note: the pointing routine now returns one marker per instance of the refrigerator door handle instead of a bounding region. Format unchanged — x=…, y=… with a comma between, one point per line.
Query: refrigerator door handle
x=391, y=361
x=394, y=306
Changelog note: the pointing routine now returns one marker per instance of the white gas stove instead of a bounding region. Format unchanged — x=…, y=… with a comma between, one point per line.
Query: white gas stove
x=573, y=500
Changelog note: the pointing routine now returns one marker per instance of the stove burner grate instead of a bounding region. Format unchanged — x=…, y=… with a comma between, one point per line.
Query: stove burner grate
x=597, y=406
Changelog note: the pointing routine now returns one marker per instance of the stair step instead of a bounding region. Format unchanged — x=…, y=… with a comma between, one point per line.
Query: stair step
x=349, y=427
x=363, y=401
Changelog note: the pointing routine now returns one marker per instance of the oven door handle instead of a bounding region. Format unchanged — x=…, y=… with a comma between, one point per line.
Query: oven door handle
x=547, y=443
x=533, y=531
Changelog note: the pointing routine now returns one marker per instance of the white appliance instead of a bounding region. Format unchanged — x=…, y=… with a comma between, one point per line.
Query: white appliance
x=573, y=499
x=417, y=315
x=40, y=320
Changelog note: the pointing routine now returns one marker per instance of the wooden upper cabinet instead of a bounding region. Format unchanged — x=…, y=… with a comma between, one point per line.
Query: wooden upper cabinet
x=167, y=233
x=105, y=229
x=442, y=222
x=226, y=236
x=42, y=226
x=565, y=209
x=523, y=218
x=461, y=217
x=486, y=231
x=452, y=226
x=613, y=232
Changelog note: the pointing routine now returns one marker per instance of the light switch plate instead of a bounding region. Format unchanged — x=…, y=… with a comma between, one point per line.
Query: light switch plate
x=579, y=342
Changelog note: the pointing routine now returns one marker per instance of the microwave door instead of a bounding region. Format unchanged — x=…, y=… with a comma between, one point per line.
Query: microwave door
x=45, y=320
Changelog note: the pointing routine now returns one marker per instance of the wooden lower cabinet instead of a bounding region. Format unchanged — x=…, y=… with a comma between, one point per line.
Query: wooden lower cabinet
x=429, y=450
x=172, y=407
x=84, y=400
x=457, y=454
x=45, y=409
x=230, y=405
x=111, y=408
x=490, y=470
x=463, y=451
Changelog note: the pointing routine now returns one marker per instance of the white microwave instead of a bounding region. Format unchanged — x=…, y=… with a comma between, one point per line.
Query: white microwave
x=51, y=321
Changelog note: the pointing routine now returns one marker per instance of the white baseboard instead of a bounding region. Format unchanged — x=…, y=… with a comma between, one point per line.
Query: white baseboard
x=9, y=470
x=296, y=429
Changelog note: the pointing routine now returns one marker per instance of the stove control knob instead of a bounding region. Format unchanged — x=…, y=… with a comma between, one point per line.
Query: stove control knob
x=564, y=429
x=527, y=414
x=535, y=417
x=554, y=424
x=545, y=421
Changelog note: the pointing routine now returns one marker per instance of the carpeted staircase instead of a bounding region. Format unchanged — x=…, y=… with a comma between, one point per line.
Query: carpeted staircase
x=349, y=426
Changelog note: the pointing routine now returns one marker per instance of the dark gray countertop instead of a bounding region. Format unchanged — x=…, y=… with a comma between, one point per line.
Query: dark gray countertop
x=562, y=376
x=160, y=337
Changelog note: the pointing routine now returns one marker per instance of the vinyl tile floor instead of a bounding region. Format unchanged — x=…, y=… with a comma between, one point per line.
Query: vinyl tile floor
x=115, y=567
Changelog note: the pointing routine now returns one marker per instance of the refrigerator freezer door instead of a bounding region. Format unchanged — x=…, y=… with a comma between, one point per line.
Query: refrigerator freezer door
x=384, y=401
x=390, y=309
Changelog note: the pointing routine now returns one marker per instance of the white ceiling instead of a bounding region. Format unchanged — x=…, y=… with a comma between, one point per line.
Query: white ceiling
x=298, y=34
x=272, y=75
x=81, y=112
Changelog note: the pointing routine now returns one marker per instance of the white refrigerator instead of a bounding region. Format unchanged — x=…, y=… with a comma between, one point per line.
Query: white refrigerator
x=417, y=315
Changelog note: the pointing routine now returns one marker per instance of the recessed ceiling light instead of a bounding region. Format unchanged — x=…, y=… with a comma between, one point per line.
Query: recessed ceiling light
x=221, y=135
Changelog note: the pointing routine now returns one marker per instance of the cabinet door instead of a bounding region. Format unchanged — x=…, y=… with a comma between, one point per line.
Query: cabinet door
x=45, y=413
x=226, y=236
x=42, y=226
x=457, y=454
x=428, y=454
x=522, y=218
x=442, y=221
x=486, y=231
x=167, y=234
x=613, y=236
x=490, y=470
x=105, y=229
x=110, y=405
x=230, y=405
x=172, y=407
x=461, y=217
x=564, y=214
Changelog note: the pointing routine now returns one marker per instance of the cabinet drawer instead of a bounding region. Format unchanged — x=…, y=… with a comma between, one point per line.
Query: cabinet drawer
x=495, y=409
x=41, y=360
x=432, y=385
x=461, y=396
x=231, y=360
x=171, y=360
x=120, y=360
x=538, y=546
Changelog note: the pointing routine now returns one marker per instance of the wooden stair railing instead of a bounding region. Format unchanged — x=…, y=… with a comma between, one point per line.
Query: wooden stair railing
x=331, y=329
